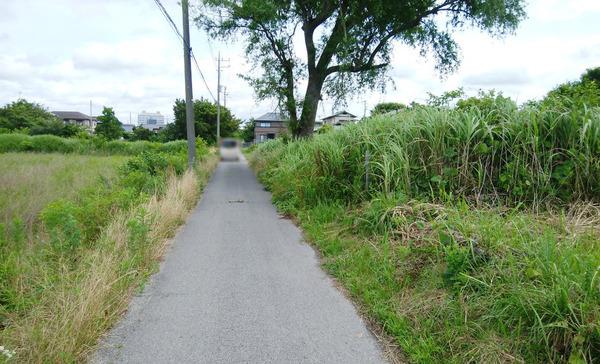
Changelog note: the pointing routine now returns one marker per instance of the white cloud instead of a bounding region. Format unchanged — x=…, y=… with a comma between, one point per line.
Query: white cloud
x=507, y=77
x=561, y=10
x=122, y=53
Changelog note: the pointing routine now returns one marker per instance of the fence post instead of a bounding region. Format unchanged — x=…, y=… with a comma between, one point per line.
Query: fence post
x=367, y=172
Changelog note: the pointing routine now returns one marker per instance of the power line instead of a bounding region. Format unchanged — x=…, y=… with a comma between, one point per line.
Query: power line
x=168, y=18
x=176, y=30
x=202, y=75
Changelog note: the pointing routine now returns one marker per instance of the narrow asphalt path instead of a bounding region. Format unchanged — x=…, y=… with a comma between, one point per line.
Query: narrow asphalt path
x=239, y=286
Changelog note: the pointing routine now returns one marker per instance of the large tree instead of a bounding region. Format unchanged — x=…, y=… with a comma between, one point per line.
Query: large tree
x=347, y=43
x=108, y=125
x=22, y=114
x=205, y=115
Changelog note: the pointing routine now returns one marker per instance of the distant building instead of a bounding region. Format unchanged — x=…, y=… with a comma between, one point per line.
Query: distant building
x=77, y=118
x=269, y=126
x=151, y=121
x=338, y=119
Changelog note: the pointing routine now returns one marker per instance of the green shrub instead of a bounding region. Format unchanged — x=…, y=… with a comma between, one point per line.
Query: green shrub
x=13, y=143
x=180, y=146
x=59, y=219
x=92, y=145
x=51, y=143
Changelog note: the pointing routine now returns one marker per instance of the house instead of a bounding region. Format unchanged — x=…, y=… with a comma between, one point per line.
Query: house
x=338, y=119
x=77, y=118
x=151, y=121
x=269, y=126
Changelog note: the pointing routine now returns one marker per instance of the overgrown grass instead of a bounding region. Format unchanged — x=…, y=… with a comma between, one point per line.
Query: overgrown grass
x=471, y=242
x=63, y=288
x=535, y=155
x=31, y=181
x=53, y=144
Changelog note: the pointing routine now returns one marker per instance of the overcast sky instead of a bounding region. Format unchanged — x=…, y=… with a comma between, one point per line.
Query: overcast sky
x=122, y=53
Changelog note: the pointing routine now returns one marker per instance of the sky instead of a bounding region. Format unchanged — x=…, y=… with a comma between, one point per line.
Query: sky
x=123, y=54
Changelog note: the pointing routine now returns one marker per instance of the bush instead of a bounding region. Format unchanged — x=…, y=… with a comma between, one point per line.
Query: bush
x=92, y=145
x=14, y=143
x=51, y=143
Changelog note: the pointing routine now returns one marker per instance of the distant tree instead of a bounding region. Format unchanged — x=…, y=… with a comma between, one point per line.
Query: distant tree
x=446, y=99
x=576, y=94
x=385, y=107
x=247, y=131
x=140, y=133
x=108, y=125
x=169, y=133
x=592, y=74
x=348, y=43
x=205, y=115
x=23, y=114
x=56, y=127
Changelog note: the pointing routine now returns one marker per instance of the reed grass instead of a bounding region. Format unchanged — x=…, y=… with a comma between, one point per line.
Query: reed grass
x=476, y=239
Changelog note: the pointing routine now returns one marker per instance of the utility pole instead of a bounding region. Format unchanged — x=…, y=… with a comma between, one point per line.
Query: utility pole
x=219, y=98
x=225, y=96
x=189, y=107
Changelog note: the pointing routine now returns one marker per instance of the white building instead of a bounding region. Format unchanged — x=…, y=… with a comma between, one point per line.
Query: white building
x=151, y=121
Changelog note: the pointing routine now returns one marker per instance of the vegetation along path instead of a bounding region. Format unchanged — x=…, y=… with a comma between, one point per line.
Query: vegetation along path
x=240, y=285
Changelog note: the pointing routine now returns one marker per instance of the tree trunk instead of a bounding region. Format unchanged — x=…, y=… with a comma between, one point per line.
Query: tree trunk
x=310, y=104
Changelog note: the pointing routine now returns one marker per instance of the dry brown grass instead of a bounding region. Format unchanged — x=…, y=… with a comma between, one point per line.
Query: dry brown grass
x=66, y=325
x=582, y=217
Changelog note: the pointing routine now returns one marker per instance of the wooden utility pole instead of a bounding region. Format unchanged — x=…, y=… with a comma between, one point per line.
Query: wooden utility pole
x=219, y=100
x=189, y=106
x=219, y=67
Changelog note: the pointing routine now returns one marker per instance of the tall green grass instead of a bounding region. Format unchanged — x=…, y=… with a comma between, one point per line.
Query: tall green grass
x=534, y=155
x=476, y=237
x=54, y=144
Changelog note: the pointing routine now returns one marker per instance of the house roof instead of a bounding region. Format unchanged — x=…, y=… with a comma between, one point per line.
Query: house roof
x=71, y=115
x=341, y=113
x=272, y=116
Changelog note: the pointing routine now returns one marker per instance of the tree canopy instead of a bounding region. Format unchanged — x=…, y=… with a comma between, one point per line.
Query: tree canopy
x=577, y=94
x=108, y=125
x=347, y=43
x=141, y=133
x=246, y=132
x=385, y=107
x=592, y=74
x=32, y=118
x=205, y=116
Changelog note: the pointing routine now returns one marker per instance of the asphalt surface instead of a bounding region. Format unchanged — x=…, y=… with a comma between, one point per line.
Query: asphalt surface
x=239, y=286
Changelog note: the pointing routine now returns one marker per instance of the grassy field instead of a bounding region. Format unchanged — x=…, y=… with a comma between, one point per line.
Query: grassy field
x=34, y=180
x=98, y=227
x=476, y=238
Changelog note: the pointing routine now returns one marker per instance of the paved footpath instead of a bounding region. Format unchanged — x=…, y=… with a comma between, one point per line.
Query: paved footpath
x=239, y=286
